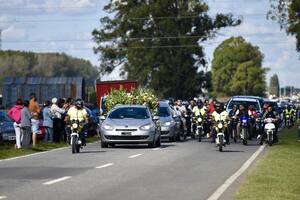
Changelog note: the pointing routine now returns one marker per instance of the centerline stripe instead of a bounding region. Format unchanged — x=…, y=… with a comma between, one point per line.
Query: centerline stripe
x=57, y=180
x=3, y=197
x=106, y=165
x=136, y=155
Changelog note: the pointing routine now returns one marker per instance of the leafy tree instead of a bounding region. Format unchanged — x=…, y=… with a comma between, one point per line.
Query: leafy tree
x=18, y=63
x=274, y=85
x=158, y=42
x=237, y=69
x=287, y=13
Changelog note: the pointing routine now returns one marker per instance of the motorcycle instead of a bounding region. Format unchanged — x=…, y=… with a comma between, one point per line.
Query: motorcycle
x=188, y=125
x=233, y=125
x=288, y=121
x=220, y=137
x=76, y=142
x=197, y=127
x=244, y=124
x=269, y=131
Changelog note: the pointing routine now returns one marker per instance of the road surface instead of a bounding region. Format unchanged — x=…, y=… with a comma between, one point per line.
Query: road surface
x=177, y=171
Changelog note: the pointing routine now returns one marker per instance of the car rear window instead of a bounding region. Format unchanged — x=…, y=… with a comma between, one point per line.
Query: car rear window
x=134, y=113
x=163, y=112
x=245, y=103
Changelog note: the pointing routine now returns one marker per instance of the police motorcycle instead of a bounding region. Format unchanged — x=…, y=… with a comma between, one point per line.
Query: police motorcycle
x=220, y=134
x=288, y=120
x=269, y=131
x=244, y=126
x=76, y=141
x=198, y=127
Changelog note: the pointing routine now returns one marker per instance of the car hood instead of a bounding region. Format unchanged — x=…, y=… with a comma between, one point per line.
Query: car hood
x=127, y=122
x=165, y=119
x=7, y=126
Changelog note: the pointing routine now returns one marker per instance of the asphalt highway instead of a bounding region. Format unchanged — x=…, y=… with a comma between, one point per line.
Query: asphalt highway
x=177, y=171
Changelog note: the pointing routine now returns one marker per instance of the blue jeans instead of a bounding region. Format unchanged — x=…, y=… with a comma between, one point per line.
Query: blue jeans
x=49, y=134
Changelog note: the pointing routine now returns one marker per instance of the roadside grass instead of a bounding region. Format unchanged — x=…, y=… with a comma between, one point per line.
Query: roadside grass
x=277, y=174
x=7, y=150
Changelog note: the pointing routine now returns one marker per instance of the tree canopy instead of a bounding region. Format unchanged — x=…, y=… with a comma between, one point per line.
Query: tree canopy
x=158, y=43
x=274, y=85
x=287, y=13
x=18, y=63
x=237, y=69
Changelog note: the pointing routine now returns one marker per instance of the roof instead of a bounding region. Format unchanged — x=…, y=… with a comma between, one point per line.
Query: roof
x=244, y=99
x=134, y=106
x=41, y=80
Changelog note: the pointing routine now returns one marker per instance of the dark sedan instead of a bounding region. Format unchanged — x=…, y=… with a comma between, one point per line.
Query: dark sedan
x=7, y=132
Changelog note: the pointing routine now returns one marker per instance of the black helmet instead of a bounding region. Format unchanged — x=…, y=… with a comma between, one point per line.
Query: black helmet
x=79, y=103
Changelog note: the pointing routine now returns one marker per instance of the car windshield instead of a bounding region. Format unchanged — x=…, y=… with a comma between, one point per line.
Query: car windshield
x=129, y=112
x=4, y=117
x=245, y=103
x=163, y=112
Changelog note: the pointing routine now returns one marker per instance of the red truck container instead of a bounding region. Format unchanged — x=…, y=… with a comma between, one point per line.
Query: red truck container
x=104, y=88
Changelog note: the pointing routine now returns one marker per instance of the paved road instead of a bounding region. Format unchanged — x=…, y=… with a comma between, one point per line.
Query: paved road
x=187, y=170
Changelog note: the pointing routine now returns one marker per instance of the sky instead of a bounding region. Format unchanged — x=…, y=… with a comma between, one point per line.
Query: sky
x=66, y=26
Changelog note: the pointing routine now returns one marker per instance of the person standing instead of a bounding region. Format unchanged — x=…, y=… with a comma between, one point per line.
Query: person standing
x=26, y=125
x=15, y=114
x=57, y=113
x=48, y=122
x=35, y=110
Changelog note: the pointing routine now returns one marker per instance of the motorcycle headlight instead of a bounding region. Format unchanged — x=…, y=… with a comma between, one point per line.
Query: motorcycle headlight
x=107, y=127
x=244, y=121
x=167, y=124
x=75, y=126
x=199, y=119
x=146, y=127
x=220, y=125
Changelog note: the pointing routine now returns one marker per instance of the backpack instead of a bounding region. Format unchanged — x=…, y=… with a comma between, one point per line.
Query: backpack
x=15, y=114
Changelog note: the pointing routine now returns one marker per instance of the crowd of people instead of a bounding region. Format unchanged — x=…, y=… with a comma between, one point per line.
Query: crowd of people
x=54, y=116
x=212, y=111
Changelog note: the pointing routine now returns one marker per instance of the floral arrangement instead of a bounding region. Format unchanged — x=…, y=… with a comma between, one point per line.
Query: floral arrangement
x=135, y=97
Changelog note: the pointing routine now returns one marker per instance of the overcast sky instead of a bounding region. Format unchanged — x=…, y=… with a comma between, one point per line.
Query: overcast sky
x=66, y=25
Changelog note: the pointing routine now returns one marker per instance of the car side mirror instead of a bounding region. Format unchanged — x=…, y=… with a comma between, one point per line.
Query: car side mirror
x=155, y=118
x=102, y=117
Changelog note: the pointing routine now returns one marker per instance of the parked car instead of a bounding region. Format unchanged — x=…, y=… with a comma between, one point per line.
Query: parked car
x=256, y=102
x=7, y=131
x=130, y=124
x=169, y=128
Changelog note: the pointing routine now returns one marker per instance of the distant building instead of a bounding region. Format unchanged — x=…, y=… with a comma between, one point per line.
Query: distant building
x=45, y=88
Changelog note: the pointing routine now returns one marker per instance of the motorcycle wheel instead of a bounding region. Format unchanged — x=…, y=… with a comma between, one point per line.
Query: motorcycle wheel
x=270, y=141
x=73, y=142
x=221, y=144
x=200, y=135
x=77, y=148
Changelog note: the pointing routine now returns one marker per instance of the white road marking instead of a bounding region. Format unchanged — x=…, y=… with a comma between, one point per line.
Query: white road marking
x=106, y=165
x=156, y=149
x=134, y=156
x=218, y=193
x=57, y=180
x=3, y=197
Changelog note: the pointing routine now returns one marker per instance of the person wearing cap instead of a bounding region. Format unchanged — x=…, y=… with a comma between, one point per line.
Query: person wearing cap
x=57, y=113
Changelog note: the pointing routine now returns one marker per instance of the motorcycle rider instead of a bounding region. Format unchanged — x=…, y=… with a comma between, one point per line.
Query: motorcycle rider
x=77, y=112
x=288, y=112
x=233, y=120
x=239, y=113
x=253, y=115
x=220, y=114
x=270, y=113
x=196, y=113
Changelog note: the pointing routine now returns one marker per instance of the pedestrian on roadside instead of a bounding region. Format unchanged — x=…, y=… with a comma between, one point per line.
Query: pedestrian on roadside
x=26, y=125
x=69, y=103
x=48, y=122
x=15, y=114
x=35, y=110
x=57, y=113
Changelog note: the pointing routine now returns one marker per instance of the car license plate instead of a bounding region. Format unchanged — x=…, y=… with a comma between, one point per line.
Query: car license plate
x=126, y=133
x=11, y=138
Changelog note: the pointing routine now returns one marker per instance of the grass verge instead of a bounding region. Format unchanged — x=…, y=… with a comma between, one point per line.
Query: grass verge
x=9, y=151
x=277, y=174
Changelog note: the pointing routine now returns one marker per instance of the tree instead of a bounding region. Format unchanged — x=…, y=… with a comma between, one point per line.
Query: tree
x=287, y=13
x=157, y=43
x=274, y=85
x=237, y=69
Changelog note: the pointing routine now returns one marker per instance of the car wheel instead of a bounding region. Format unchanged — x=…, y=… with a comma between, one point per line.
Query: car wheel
x=104, y=145
x=112, y=145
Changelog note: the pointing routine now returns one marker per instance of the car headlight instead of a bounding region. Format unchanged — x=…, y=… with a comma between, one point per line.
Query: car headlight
x=74, y=126
x=199, y=119
x=220, y=125
x=146, y=127
x=107, y=127
x=167, y=124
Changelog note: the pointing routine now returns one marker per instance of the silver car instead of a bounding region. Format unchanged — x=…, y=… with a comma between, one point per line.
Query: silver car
x=169, y=128
x=130, y=124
